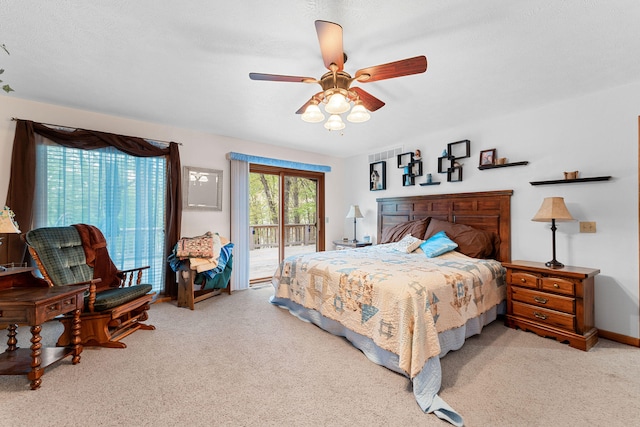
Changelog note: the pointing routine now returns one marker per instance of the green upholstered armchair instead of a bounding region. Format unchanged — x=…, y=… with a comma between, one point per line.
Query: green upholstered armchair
x=114, y=308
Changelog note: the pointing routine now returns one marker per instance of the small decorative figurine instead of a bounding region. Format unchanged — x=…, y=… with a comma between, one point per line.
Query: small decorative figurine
x=375, y=177
x=417, y=155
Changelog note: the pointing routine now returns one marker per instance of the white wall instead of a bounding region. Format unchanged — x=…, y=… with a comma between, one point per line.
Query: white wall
x=596, y=134
x=199, y=149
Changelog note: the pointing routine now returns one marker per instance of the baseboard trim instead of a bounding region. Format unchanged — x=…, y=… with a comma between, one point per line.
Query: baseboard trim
x=623, y=339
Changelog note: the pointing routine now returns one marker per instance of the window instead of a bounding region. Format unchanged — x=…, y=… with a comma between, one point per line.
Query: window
x=122, y=195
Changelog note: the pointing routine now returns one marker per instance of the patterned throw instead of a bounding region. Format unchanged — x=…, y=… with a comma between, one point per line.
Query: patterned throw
x=195, y=247
x=401, y=301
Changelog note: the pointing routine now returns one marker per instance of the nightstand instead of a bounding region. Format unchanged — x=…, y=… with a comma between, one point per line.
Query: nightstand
x=556, y=303
x=349, y=244
x=27, y=300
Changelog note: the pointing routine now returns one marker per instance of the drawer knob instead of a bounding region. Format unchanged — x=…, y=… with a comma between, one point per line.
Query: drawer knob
x=540, y=315
x=540, y=299
x=523, y=280
x=555, y=285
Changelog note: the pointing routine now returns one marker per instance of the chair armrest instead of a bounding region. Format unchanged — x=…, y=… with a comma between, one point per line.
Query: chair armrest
x=92, y=292
x=126, y=276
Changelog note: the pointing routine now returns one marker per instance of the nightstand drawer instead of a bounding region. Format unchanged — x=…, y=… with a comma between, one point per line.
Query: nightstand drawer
x=60, y=307
x=520, y=278
x=13, y=315
x=555, y=284
x=544, y=316
x=541, y=299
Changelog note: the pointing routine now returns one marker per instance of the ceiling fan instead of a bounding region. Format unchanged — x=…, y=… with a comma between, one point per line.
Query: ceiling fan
x=337, y=93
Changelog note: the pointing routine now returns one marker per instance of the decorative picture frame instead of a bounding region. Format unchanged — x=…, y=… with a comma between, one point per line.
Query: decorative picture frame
x=378, y=176
x=454, y=174
x=488, y=157
x=415, y=168
x=404, y=159
x=459, y=149
x=202, y=189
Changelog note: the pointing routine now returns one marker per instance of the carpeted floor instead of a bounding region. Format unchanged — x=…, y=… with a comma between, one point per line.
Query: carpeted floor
x=236, y=360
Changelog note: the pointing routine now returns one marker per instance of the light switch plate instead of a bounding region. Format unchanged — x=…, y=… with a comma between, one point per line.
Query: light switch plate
x=587, y=226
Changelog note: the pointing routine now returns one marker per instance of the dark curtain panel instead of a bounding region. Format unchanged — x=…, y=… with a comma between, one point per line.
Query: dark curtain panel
x=23, y=171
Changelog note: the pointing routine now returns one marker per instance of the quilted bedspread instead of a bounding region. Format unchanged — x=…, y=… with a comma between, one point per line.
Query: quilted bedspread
x=401, y=301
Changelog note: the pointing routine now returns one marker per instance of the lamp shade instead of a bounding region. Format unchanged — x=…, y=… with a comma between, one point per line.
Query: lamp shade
x=7, y=224
x=313, y=114
x=358, y=114
x=334, y=123
x=354, y=212
x=337, y=104
x=553, y=208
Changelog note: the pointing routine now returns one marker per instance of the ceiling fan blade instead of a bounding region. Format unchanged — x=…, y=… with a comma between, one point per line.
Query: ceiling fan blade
x=330, y=38
x=369, y=101
x=400, y=68
x=280, y=78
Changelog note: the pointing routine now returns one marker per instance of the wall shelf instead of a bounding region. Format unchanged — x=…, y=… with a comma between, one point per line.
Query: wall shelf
x=503, y=166
x=430, y=183
x=570, y=181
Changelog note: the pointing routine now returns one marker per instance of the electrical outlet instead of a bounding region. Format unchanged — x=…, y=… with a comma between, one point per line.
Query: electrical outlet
x=587, y=227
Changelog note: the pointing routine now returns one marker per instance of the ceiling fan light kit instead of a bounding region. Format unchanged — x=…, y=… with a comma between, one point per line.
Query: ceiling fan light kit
x=337, y=94
x=334, y=123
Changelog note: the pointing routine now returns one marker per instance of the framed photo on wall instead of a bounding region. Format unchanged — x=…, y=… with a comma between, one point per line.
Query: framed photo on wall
x=378, y=176
x=487, y=157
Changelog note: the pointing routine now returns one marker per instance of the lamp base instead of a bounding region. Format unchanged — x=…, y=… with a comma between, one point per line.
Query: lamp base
x=554, y=264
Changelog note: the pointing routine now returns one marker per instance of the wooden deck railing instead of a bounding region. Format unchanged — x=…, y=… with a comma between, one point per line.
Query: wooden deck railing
x=267, y=236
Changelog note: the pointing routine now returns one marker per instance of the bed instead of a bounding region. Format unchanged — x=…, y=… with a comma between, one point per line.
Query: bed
x=403, y=306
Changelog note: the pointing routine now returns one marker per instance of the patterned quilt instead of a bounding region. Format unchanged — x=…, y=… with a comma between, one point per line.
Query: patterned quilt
x=401, y=301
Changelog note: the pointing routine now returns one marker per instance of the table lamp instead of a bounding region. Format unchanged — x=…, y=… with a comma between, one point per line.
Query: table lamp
x=553, y=209
x=7, y=225
x=354, y=212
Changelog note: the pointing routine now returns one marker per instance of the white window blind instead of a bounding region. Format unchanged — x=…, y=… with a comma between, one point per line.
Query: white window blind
x=122, y=195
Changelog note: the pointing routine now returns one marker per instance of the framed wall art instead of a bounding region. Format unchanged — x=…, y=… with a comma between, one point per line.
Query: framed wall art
x=378, y=176
x=487, y=157
x=202, y=189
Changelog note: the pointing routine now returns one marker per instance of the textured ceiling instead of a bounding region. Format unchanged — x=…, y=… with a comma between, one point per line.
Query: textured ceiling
x=186, y=63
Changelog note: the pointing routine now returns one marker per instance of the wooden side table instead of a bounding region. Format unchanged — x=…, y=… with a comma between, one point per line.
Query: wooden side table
x=349, y=244
x=556, y=303
x=23, y=300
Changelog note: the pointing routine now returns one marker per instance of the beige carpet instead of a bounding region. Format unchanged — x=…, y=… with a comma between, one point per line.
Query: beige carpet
x=239, y=361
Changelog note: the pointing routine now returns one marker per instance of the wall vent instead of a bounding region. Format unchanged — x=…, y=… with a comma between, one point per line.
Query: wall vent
x=391, y=153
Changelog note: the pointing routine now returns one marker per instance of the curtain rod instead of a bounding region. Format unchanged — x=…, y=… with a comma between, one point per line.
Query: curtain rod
x=14, y=119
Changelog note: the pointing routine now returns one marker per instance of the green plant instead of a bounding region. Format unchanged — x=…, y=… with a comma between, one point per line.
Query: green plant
x=6, y=88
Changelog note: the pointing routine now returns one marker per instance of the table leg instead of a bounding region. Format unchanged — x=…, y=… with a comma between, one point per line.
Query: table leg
x=75, y=337
x=36, y=371
x=12, y=341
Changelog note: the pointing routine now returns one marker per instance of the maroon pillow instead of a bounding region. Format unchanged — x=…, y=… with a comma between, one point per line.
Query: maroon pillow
x=471, y=241
x=395, y=233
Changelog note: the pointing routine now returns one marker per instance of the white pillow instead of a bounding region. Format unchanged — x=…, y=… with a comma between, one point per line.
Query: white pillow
x=408, y=244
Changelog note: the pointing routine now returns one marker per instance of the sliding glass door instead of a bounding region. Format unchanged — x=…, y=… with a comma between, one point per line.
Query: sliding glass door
x=285, y=206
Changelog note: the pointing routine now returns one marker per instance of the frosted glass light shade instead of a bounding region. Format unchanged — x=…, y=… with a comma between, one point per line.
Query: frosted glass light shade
x=358, y=114
x=337, y=104
x=312, y=114
x=334, y=123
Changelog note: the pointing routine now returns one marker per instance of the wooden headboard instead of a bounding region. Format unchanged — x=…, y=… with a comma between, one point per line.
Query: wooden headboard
x=486, y=210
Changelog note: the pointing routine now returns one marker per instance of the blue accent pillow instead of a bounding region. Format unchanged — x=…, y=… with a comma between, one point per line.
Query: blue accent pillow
x=438, y=244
